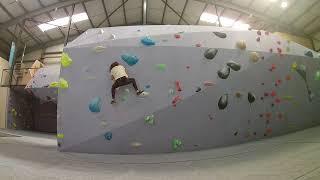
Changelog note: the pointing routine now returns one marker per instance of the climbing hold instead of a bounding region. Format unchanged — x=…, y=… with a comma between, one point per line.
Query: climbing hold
x=210, y=53
x=176, y=144
x=220, y=34
x=238, y=94
x=135, y=144
x=266, y=33
x=188, y=67
x=236, y=133
x=273, y=94
x=258, y=39
x=270, y=50
x=171, y=91
x=60, y=136
x=63, y=84
x=277, y=100
x=268, y=115
x=273, y=67
x=223, y=102
x=161, y=67
x=149, y=119
x=104, y=123
x=302, y=72
x=198, y=89
x=99, y=49
x=309, y=54
x=147, y=86
x=259, y=33
x=177, y=36
x=130, y=59
x=317, y=76
x=147, y=41
x=234, y=66
x=208, y=83
x=178, y=86
x=279, y=42
x=241, y=45
x=108, y=136
x=198, y=45
x=224, y=73
x=251, y=97
x=175, y=100
x=112, y=37
x=210, y=117
x=66, y=61
x=54, y=85
x=279, y=50
x=287, y=98
x=95, y=105
x=294, y=66
x=254, y=57
x=288, y=77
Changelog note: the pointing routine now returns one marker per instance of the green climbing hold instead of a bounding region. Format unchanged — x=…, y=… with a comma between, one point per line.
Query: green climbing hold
x=288, y=98
x=161, y=67
x=149, y=119
x=176, y=144
x=317, y=76
x=63, y=84
x=60, y=136
x=66, y=61
x=54, y=85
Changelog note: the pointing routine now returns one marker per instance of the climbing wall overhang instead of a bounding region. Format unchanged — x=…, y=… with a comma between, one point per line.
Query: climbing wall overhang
x=208, y=87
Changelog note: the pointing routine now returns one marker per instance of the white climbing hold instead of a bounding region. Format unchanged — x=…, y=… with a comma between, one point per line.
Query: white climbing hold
x=104, y=123
x=254, y=57
x=135, y=144
x=101, y=31
x=112, y=37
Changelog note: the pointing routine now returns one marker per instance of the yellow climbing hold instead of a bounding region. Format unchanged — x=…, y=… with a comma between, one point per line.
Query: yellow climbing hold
x=66, y=61
x=54, y=85
x=294, y=66
x=60, y=136
x=63, y=84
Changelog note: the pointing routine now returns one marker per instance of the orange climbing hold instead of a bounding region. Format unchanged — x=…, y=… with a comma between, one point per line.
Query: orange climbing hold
x=288, y=77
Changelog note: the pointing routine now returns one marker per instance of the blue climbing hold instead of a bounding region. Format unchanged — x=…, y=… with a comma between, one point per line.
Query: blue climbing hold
x=108, y=136
x=147, y=41
x=130, y=59
x=147, y=86
x=95, y=104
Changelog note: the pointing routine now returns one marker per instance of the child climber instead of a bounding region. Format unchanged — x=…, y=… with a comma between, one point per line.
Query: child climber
x=121, y=78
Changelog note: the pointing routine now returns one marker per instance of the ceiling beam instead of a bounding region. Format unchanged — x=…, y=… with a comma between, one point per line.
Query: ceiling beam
x=184, y=8
x=106, y=13
x=124, y=13
x=259, y=15
x=115, y=10
x=164, y=11
x=37, y=12
x=166, y=2
x=86, y=10
x=144, y=12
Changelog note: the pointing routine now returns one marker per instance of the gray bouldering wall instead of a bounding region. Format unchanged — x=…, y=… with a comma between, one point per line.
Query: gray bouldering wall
x=209, y=87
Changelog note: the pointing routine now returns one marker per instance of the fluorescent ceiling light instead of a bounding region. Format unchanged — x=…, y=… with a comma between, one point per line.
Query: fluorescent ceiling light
x=225, y=22
x=62, y=21
x=273, y=0
x=284, y=4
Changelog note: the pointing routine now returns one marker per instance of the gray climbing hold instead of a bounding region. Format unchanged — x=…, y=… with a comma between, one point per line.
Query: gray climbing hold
x=224, y=73
x=234, y=66
x=220, y=34
x=223, y=102
x=309, y=54
x=210, y=53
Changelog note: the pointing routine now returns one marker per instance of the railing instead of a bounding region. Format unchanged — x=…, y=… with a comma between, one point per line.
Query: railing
x=19, y=77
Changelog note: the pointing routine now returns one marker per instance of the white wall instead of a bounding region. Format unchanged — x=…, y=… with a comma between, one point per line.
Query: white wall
x=4, y=91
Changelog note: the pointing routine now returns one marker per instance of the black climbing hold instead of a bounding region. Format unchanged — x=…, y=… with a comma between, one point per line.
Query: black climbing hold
x=251, y=97
x=255, y=133
x=309, y=54
x=220, y=34
x=272, y=105
x=261, y=98
x=236, y=133
x=234, y=66
x=224, y=73
x=210, y=53
x=223, y=102
x=59, y=145
x=198, y=89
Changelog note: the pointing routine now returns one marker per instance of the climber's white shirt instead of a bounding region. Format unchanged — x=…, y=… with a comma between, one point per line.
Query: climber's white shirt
x=118, y=72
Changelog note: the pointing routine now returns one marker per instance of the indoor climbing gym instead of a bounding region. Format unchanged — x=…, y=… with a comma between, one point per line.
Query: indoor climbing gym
x=159, y=89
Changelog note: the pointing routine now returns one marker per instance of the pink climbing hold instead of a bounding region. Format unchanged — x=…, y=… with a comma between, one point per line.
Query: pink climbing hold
x=177, y=36
x=266, y=33
x=273, y=94
x=273, y=66
x=208, y=83
x=178, y=86
x=277, y=100
x=279, y=50
x=198, y=45
x=175, y=100
x=279, y=81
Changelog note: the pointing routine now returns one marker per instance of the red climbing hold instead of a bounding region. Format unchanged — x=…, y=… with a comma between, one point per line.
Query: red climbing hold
x=259, y=33
x=177, y=36
x=279, y=81
x=175, y=100
x=288, y=77
x=178, y=86
x=266, y=94
x=277, y=100
x=198, y=45
x=273, y=94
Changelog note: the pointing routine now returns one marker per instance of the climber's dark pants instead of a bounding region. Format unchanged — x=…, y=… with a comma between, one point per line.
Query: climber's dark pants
x=122, y=82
